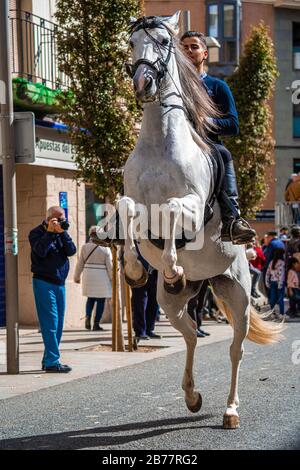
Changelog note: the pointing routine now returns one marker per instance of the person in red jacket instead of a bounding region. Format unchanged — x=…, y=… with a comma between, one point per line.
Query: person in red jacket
x=256, y=266
x=260, y=260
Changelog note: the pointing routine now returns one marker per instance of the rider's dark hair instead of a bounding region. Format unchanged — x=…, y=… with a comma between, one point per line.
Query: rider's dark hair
x=195, y=34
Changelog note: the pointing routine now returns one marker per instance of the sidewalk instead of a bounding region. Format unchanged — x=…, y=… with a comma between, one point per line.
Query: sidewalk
x=79, y=350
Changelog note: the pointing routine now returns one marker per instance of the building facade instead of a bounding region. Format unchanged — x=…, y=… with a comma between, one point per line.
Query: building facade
x=50, y=179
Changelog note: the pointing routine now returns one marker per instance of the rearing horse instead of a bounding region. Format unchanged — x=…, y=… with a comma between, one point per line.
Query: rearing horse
x=170, y=166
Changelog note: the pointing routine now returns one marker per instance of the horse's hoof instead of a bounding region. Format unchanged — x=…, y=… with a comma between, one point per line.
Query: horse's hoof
x=139, y=282
x=177, y=286
x=231, y=422
x=197, y=406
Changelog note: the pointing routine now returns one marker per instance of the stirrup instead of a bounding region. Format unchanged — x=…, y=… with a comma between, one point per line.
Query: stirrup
x=241, y=240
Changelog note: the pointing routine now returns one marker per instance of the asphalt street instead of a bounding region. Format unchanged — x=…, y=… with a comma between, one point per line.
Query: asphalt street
x=142, y=406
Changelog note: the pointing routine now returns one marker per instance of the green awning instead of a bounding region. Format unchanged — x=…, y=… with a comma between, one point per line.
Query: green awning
x=37, y=97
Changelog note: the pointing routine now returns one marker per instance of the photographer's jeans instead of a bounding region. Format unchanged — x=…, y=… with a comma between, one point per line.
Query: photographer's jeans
x=50, y=301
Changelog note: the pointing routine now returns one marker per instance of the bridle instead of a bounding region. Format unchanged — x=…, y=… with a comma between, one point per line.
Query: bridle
x=160, y=65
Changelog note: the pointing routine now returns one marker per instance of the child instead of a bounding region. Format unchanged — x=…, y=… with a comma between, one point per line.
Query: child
x=293, y=284
x=275, y=279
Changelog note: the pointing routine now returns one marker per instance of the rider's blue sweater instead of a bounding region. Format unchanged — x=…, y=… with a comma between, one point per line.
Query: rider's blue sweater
x=221, y=95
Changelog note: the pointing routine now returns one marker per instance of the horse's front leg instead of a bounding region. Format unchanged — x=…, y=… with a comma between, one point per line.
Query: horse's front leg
x=183, y=214
x=135, y=273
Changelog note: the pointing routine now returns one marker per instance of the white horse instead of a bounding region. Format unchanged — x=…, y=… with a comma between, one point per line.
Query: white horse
x=170, y=166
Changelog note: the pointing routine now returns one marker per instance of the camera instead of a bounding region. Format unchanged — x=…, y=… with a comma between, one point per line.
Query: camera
x=64, y=224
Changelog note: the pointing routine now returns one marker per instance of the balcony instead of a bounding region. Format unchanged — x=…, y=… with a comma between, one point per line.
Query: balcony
x=287, y=4
x=34, y=53
x=287, y=214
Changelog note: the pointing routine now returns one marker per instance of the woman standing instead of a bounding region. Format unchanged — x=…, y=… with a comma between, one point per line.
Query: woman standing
x=275, y=280
x=95, y=262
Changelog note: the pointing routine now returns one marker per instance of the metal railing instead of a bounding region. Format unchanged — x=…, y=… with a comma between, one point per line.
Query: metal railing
x=34, y=50
x=287, y=214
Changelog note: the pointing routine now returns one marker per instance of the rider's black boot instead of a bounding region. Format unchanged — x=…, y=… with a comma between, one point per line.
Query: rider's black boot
x=234, y=228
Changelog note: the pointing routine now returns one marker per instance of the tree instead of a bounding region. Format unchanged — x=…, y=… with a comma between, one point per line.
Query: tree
x=92, y=45
x=252, y=85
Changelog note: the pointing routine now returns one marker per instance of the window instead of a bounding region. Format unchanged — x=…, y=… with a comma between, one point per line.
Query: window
x=296, y=165
x=296, y=121
x=222, y=23
x=229, y=51
x=296, y=45
x=228, y=21
x=213, y=21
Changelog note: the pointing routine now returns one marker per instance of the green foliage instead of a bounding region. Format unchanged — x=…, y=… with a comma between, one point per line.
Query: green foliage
x=92, y=51
x=252, y=86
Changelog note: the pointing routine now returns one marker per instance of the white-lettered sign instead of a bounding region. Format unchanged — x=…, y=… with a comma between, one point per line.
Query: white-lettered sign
x=54, y=150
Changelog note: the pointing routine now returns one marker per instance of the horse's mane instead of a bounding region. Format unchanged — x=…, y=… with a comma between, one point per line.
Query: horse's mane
x=196, y=100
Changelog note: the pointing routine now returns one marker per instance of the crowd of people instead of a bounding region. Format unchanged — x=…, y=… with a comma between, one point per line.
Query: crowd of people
x=275, y=266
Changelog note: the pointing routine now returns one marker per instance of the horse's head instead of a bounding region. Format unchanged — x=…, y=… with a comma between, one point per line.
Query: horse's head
x=151, y=41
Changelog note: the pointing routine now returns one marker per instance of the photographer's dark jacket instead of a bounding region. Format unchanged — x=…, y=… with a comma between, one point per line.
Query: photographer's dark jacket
x=49, y=254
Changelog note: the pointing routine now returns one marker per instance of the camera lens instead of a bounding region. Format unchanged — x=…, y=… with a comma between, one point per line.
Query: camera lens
x=64, y=224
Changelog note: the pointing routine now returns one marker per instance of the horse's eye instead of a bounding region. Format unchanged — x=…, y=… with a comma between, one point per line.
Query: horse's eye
x=165, y=41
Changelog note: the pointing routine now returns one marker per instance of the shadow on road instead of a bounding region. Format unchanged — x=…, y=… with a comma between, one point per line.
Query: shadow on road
x=100, y=437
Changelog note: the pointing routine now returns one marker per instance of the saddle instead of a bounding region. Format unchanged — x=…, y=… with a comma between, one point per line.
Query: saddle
x=218, y=171
x=216, y=163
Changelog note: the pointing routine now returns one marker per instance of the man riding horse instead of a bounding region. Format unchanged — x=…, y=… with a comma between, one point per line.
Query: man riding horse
x=234, y=228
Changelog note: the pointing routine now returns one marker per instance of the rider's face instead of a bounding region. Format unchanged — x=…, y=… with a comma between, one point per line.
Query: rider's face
x=195, y=50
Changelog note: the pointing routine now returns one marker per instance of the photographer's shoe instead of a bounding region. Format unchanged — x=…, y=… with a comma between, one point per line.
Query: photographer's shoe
x=58, y=368
x=87, y=323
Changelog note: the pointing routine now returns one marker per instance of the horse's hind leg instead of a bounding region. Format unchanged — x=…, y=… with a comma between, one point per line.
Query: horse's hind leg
x=237, y=299
x=175, y=308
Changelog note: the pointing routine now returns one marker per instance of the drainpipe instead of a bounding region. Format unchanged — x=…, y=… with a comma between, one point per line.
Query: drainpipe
x=9, y=195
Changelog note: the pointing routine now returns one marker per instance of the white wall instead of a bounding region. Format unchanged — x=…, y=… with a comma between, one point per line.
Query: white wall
x=44, y=9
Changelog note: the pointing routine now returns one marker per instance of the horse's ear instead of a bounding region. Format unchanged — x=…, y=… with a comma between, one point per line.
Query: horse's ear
x=132, y=20
x=173, y=21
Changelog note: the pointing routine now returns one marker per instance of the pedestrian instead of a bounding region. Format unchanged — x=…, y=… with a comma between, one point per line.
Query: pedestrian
x=293, y=245
x=256, y=265
x=292, y=192
x=195, y=309
x=275, y=280
x=51, y=246
x=293, y=285
x=272, y=243
x=144, y=304
x=234, y=228
x=284, y=233
x=95, y=265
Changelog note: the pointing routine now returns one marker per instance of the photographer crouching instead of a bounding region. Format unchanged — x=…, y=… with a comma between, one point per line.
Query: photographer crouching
x=51, y=245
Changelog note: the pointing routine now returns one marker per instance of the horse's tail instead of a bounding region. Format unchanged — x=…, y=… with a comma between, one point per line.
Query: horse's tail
x=260, y=331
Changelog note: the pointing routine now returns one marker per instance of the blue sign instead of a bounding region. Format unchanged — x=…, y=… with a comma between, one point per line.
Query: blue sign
x=63, y=202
